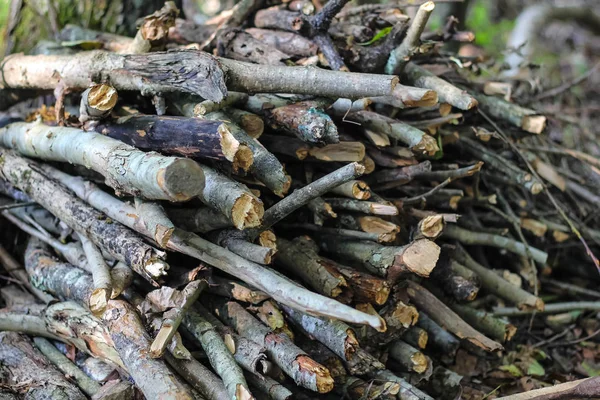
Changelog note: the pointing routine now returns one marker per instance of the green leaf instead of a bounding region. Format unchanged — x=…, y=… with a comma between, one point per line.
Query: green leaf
x=440, y=153
x=380, y=35
x=512, y=369
x=590, y=370
x=535, y=368
x=83, y=44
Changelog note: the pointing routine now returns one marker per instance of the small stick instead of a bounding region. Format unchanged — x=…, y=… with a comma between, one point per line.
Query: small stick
x=131, y=341
x=247, y=353
x=299, y=257
x=416, y=337
x=154, y=29
x=235, y=290
x=365, y=287
x=526, y=119
x=153, y=216
x=552, y=308
x=19, y=273
x=207, y=106
x=353, y=189
x=97, y=102
x=233, y=199
x=438, y=337
x=496, y=328
x=366, y=207
x=408, y=357
x=407, y=391
x=445, y=317
x=194, y=138
x=391, y=262
x=507, y=168
x=72, y=252
x=341, y=152
x=251, y=123
x=370, y=224
x=447, y=93
x=200, y=377
x=411, y=42
x=309, y=192
x=417, y=140
x=221, y=359
x=235, y=242
x=582, y=388
x=251, y=78
x=269, y=386
x=321, y=210
x=487, y=239
x=495, y=284
x=66, y=366
x=348, y=233
x=291, y=359
x=173, y=318
x=100, y=275
x=430, y=227
x=200, y=219
x=335, y=335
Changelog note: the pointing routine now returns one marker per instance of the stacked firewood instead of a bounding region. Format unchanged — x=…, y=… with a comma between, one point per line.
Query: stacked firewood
x=242, y=217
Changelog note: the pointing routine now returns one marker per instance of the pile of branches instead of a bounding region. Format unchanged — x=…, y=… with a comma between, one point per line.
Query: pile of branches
x=327, y=232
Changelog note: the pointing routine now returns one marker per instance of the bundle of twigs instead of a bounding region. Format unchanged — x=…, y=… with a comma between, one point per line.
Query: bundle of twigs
x=328, y=208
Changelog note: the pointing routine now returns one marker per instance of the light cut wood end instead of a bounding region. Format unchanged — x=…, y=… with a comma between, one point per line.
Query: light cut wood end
x=247, y=212
x=377, y=225
x=422, y=339
x=322, y=376
x=268, y=239
x=158, y=346
x=428, y=145
x=509, y=332
x=368, y=164
x=361, y=191
x=253, y=125
x=419, y=257
x=341, y=152
x=383, y=209
x=431, y=227
x=243, y=158
x=102, y=97
x=420, y=363
x=99, y=300
x=241, y=393
x=445, y=109
x=156, y=268
x=429, y=98
x=534, y=124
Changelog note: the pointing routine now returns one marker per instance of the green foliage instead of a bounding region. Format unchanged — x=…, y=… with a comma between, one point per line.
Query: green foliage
x=4, y=6
x=380, y=35
x=489, y=34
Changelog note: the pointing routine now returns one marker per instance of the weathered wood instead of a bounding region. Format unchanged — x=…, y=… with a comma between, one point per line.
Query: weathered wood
x=132, y=342
x=188, y=137
x=126, y=168
x=118, y=241
x=27, y=368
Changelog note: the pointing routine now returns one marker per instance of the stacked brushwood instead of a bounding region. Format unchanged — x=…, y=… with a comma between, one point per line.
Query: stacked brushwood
x=309, y=214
